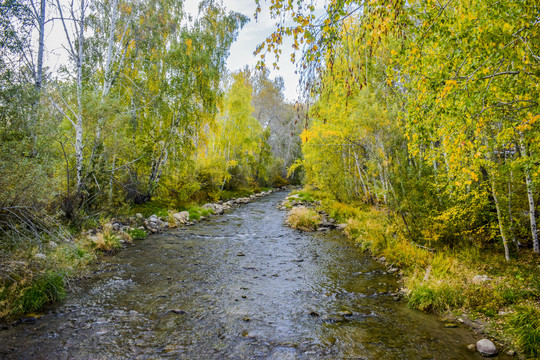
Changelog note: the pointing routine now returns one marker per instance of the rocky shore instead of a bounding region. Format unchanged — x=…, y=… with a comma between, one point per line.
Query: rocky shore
x=155, y=224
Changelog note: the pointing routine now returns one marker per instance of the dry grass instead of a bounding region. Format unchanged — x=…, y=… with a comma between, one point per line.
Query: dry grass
x=304, y=218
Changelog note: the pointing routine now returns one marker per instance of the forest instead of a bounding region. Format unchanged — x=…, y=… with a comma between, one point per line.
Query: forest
x=418, y=127
x=144, y=115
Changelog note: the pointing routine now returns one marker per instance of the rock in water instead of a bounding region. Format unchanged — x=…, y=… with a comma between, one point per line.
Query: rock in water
x=486, y=348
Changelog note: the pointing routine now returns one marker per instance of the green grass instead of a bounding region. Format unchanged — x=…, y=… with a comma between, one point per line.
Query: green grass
x=42, y=290
x=153, y=207
x=137, y=234
x=437, y=298
x=524, y=324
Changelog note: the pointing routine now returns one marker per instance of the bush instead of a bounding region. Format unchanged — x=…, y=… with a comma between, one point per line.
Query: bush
x=106, y=242
x=303, y=218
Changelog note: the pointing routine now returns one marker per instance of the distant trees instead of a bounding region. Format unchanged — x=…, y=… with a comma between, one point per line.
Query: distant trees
x=283, y=120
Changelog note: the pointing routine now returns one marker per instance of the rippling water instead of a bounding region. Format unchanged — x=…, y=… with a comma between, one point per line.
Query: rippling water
x=241, y=286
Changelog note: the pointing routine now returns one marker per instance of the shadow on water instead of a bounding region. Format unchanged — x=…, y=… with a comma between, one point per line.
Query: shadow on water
x=242, y=286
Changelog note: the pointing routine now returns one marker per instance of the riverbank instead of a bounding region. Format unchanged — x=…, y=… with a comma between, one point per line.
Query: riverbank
x=41, y=275
x=472, y=286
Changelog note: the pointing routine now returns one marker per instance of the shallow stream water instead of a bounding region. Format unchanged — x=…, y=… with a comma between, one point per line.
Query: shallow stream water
x=240, y=286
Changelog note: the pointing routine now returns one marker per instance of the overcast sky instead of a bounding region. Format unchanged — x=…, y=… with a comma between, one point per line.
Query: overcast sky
x=254, y=33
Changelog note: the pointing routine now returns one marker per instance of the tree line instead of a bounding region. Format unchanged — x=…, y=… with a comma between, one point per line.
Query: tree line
x=142, y=108
x=430, y=108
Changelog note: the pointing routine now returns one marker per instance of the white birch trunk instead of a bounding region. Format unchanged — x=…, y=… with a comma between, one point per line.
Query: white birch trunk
x=530, y=196
x=79, y=125
x=41, y=45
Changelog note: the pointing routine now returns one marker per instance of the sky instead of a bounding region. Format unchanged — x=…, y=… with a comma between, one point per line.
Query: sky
x=254, y=33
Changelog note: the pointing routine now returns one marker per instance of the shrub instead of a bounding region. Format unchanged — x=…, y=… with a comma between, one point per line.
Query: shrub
x=304, y=218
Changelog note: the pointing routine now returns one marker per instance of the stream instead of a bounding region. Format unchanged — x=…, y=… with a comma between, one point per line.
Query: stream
x=240, y=286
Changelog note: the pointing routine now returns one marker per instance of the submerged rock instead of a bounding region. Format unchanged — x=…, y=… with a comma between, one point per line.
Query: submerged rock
x=486, y=347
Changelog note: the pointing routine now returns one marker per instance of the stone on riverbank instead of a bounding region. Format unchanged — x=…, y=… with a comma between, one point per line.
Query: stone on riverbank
x=486, y=347
x=181, y=217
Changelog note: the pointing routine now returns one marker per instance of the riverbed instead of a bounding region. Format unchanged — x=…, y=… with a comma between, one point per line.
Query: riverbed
x=239, y=286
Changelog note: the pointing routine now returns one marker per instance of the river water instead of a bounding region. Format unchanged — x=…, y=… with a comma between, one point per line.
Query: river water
x=241, y=286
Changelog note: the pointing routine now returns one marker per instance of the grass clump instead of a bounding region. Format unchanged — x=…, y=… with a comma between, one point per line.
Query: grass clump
x=303, y=218
x=436, y=297
x=137, y=234
x=42, y=290
x=195, y=212
x=107, y=241
x=524, y=324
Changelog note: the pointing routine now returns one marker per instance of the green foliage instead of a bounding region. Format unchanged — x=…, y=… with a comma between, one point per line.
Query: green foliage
x=137, y=234
x=153, y=207
x=524, y=324
x=195, y=212
x=45, y=289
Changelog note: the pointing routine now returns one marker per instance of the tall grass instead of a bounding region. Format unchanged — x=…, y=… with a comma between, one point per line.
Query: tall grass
x=524, y=324
x=303, y=218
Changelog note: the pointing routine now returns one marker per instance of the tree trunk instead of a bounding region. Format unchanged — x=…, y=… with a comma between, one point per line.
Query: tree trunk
x=39, y=65
x=79, y=126
x=500, y=219
x=530, y=196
